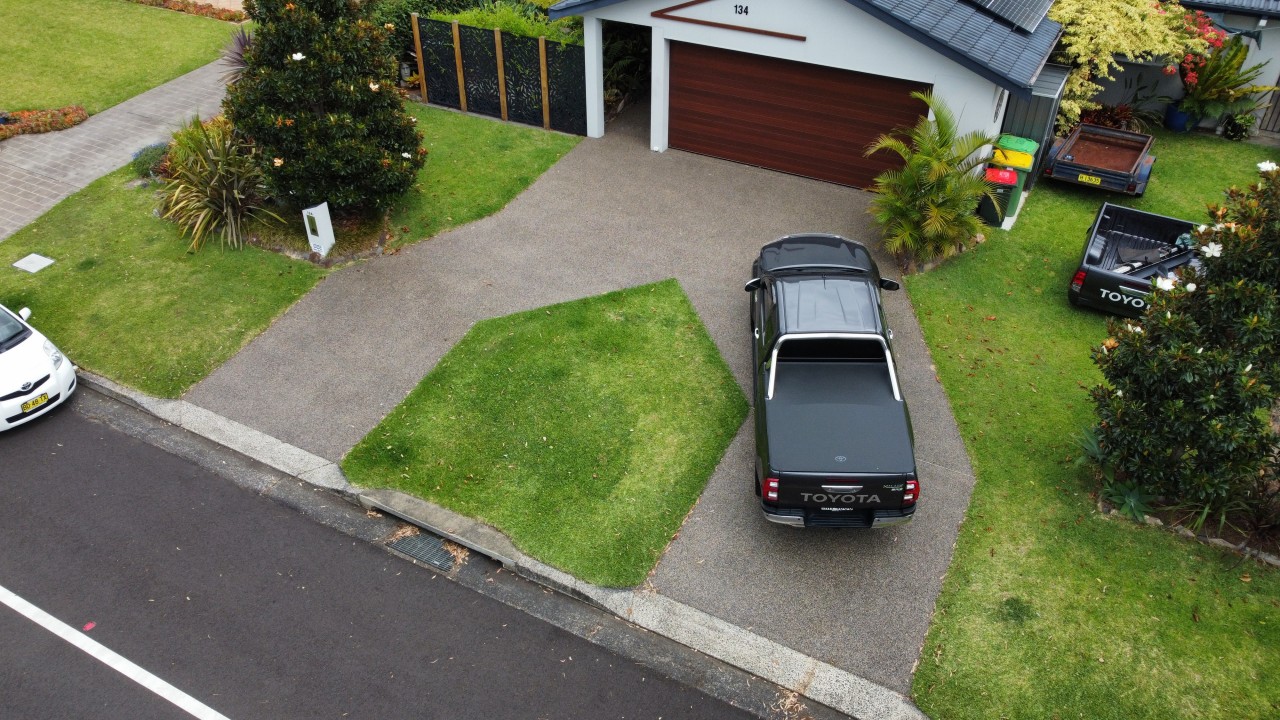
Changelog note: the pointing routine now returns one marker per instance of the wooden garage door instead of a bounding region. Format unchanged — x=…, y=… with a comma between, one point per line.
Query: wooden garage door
x=802, y=119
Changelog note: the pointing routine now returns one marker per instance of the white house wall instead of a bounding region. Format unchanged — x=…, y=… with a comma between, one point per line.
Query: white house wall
x=836, y=34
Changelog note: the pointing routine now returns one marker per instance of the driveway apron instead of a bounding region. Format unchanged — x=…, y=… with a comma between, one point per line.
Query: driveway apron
x=613, y=214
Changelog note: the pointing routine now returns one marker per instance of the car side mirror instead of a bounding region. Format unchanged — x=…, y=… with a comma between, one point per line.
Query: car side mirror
x=887, y=284
x=24, y=313
x=753, y=284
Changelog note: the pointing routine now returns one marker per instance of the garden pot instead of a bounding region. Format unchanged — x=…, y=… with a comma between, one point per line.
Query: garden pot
x=1177, y=120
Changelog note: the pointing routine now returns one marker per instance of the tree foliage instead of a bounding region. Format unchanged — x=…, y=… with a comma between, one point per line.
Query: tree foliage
x=318, y=97
x=1183, y=411
x=926, y=208
x=1096, y=33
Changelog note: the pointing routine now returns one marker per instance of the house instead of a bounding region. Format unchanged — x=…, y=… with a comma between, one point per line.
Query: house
x=803, y=86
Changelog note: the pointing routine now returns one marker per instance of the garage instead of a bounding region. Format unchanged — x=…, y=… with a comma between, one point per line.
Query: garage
x=803, y=86
x=783, y=115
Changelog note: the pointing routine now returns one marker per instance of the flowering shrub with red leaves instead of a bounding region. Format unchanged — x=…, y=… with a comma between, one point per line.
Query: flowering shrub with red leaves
x=1199, y=26
x=191, y=7
x=30, y=122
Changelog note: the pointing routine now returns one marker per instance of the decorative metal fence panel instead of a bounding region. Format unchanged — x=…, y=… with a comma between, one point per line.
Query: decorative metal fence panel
x=503, y=75
x=524, y=79
x=480, y=70
x=439, y=71
x=566, y=66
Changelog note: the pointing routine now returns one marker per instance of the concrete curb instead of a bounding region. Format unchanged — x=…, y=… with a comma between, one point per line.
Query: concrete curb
x=723, y=641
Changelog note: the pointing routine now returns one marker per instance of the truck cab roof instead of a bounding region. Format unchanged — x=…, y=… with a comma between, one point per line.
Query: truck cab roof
x=827, y=303
x=815, y=251
x=822, y=284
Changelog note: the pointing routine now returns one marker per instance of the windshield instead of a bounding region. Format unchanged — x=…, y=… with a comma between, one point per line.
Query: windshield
x=11, y=331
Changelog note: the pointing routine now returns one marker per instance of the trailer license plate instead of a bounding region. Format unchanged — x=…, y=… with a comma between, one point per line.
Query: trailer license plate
x=1090, y=179
x=35, y=402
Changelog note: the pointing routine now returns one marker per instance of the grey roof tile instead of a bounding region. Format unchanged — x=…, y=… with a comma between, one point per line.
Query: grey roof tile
x=1264, y=8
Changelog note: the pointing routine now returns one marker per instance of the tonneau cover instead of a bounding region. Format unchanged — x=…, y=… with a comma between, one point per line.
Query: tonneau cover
x=822, y=411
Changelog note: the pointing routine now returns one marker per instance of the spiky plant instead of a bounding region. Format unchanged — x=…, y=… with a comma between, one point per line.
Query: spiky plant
x=217, y=183
x=926, y=208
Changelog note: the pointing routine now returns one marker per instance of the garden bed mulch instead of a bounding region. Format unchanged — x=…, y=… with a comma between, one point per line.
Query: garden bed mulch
x=1263, y=545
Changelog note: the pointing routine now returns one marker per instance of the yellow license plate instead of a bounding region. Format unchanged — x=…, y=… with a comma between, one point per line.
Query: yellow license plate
x=1089, y=179
x=35, y=402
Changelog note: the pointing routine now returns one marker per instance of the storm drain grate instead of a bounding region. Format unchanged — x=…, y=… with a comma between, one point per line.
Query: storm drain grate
x=425, y=548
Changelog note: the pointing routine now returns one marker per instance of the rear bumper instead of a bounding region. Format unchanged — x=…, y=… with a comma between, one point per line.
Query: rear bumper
x=799, y=517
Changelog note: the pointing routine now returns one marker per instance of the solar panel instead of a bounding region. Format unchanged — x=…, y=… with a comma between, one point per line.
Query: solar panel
x=1025, y=14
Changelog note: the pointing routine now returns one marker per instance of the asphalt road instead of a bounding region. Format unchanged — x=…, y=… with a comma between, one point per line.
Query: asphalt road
x=232, y=596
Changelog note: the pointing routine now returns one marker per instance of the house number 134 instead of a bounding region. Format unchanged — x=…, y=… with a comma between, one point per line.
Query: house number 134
x=740, y=10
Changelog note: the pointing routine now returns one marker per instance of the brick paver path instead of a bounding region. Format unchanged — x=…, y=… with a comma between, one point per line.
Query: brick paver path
x=39, y=171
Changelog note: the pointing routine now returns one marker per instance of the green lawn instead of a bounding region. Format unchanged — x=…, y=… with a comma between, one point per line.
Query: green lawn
x=125, y=300
x=476, y=166
x=97, y=53
x=1050, y=610
x=585, y=431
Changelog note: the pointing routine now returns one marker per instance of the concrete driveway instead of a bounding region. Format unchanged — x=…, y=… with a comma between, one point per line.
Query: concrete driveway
x=613, y=214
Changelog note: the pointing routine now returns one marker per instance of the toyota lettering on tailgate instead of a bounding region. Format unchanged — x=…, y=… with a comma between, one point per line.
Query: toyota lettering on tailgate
x=1114, y=296
x=827, y=497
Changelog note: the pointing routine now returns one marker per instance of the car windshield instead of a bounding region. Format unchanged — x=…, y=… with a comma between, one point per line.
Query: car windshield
x=11, y=331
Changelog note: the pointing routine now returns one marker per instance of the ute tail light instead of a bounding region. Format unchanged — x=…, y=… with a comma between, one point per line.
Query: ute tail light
x=771, y=489
x=912, y=493
x=1078, y=281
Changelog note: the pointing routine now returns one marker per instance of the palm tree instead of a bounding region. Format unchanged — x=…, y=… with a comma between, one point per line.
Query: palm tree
x=927, y=208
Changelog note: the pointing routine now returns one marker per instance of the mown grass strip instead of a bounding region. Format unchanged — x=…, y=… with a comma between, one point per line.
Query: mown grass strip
x=585, y=431
x=1049, y=609
x=124, y=298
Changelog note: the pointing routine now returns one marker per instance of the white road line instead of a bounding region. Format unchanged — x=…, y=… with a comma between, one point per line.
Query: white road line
x=112, y=659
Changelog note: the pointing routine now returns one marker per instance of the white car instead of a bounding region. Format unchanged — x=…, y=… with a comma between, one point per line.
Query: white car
x=34, y=375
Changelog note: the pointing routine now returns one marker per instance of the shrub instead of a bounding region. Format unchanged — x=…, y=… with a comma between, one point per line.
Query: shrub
x=518, y=18
x=318, y=98
x=233, y=54
x=1222, y=85
x=147, y=161
x=926, y=209
x=31, y=122
x=1096, y=32
x=217, y=184
x=1183, y=412
x=396, y=13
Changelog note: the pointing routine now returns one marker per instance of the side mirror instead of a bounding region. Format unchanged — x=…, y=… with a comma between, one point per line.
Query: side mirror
x=753, y=284
x=24, y=313
x=887, y=284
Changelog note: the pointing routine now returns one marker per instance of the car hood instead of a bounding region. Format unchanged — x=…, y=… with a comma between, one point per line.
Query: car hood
x=26, y=362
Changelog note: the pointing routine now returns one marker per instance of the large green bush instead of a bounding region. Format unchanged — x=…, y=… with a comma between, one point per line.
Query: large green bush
x=1184, y=410
x=926, y=209
x=318, y=97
